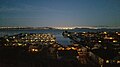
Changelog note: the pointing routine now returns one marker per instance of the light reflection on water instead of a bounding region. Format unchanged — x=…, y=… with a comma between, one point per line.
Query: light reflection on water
x=58, y=33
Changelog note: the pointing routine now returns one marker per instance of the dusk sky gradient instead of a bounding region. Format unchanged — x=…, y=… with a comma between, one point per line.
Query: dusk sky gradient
x=59, y=13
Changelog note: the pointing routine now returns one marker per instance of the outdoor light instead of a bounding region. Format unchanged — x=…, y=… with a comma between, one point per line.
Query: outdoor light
x=7, y=40
x=68, y=48
x=107, y=61
x=35, y=50
x=110, y=38
x=19, y=44
x=105, y=32
x=118, y=61
x=84, y=32
x=99, y=41
x=114, y=41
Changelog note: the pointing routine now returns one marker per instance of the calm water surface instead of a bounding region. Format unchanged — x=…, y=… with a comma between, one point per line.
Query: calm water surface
x=57, y=33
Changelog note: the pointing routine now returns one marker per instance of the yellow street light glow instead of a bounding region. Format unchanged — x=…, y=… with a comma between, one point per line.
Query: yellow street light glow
x=114, y=41
x=107, y=61
x=33, y=49
x=41, y=40
x=116, y=32
x=19, y=44
x=13, y=44
x=79, y=52
x=13, y=36
x=110, y=38
x=73, y=48
x=84, y=32
x=119, y=34
x=26, y=34
x=52, y=40
x=63, y=48
x=68, y=48
x=5, y=44
x=118, y=61
x=36, y=50
x=99, y=41
x=47, y=40
x=79, y=49
x=75, y=32
x=105, y=32
x=25, y=44
x=7, y=40
x=68, y=35
x=60, y=48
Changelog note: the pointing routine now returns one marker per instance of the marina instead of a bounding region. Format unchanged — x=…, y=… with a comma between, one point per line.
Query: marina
x=84, y=48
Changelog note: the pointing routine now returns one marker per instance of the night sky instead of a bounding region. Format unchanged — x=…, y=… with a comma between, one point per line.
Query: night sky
x=59, y=13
